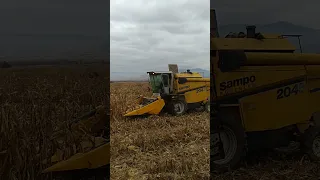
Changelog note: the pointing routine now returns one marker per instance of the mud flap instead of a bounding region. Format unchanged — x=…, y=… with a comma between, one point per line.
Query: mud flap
x=152, y=108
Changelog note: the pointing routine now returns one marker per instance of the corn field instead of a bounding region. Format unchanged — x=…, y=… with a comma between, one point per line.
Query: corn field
x=34, y=102
x=156, y=147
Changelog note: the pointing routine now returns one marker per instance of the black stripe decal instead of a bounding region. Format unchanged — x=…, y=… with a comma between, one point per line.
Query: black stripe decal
x=314, y=90
x=262, y=89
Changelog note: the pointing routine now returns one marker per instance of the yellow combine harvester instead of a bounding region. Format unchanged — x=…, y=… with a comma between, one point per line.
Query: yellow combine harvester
x=265, y=96
x=175, y=92
x=90, y=156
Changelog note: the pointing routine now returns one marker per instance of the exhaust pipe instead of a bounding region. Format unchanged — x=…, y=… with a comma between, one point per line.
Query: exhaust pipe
x=251, y=31
x=213, y=24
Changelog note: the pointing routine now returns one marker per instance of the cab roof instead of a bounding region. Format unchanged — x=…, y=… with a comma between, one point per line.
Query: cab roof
x=270, y=42
x=180, y=74
x=159, y=72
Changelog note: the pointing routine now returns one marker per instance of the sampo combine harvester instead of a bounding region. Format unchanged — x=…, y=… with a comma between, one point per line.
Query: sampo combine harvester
x=265, y=96
x=175, y=93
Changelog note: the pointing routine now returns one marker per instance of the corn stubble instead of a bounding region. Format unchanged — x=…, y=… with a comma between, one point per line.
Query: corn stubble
x=156, y=147
x=34, y=103
x=169, y=147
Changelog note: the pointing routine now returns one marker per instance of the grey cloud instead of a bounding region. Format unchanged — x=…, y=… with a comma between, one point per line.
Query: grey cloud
x=147, y=35
x=119, y=38
x=21, y=4
x=187, y=28
x=261, y=12
x=151, y=12
x=55, y=29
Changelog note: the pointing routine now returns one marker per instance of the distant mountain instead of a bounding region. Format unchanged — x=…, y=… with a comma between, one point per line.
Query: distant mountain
x=310, y=39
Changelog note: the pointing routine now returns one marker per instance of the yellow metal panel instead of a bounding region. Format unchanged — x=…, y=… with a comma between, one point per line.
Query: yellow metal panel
x=262, y=76
x=264, y=111
x=250, y=44
x=261, y=110
x=198, y=79
x=187, y=75
x=282, y=59
x=314, y=87
x=194, y=81
x=198, y=95
x=188, y=86
x=273, y=73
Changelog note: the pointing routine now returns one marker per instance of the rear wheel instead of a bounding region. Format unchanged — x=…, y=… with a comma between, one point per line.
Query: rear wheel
x=178, y=107
x=200, y=107
x=311, y=143
x=233, y=140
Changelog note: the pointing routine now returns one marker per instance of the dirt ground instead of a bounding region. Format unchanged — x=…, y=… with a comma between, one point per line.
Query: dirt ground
x=274, y=166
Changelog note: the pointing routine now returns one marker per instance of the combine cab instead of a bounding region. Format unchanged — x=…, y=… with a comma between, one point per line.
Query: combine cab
x=175, y=92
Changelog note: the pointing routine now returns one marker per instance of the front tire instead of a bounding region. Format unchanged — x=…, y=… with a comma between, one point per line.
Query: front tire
x=233, y=139
x=311, y=143
x=178, y=107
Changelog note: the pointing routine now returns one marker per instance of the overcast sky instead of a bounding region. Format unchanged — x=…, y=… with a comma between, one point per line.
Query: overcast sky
x=304, y=13
x=54, y=17
x=53, y=29
x=149, y=34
